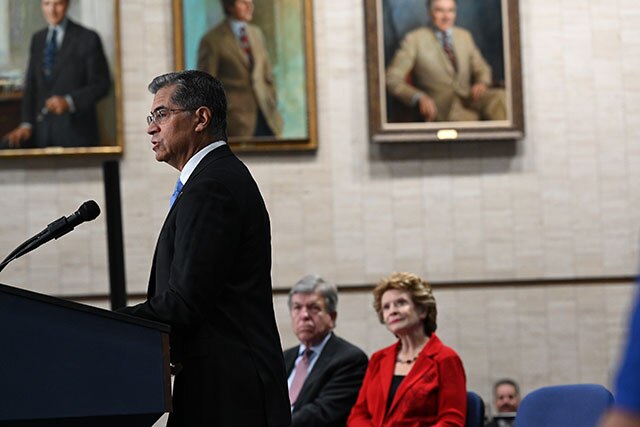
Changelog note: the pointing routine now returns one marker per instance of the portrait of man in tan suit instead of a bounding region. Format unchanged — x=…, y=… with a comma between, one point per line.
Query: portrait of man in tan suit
x=439, y=71
x=235, y=52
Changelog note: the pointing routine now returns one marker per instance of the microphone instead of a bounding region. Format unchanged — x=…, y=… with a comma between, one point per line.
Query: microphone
x=88, y=211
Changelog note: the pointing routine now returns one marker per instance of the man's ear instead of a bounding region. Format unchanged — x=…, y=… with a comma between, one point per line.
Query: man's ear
x=203, y=119
x=333, y=316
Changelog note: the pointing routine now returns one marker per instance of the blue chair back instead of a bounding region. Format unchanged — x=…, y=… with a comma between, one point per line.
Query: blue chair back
x=475, y=410
x=574, y=405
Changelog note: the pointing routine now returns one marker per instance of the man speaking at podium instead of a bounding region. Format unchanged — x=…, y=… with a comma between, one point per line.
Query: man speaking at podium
x=211, y=273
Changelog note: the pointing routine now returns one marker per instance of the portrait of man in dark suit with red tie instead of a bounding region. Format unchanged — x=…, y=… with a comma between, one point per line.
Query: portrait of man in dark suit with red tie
x=67, y=74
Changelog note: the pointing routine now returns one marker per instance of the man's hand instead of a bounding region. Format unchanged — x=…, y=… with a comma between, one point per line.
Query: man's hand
x=477, y=90
x=57, y=105
x=17, y=136
x=427, y=108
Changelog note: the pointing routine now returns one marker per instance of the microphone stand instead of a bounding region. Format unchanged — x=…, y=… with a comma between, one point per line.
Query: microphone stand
x=19, y=251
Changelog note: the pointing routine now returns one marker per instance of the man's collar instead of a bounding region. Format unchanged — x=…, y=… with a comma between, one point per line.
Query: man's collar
x=236, y=25
x=62, y=25
x=317, y=349
x=439, y=33
x=191, y=164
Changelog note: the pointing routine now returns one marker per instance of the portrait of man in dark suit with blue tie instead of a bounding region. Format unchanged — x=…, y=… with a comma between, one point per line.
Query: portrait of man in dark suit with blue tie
x=67, y=74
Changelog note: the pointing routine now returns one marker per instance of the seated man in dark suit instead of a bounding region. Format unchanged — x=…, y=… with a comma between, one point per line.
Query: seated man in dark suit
x=325, y=371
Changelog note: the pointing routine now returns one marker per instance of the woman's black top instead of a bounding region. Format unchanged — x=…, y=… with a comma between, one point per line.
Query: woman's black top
x=395, y=383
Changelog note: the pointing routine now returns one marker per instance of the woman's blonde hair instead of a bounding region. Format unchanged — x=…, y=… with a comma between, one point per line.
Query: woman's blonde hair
x=418, y=289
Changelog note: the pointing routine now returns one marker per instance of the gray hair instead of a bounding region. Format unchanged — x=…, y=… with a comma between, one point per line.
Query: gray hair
x=313, y=283
x=195, y=89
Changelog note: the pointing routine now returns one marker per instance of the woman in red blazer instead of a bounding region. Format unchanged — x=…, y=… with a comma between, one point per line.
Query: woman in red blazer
x=417, y=381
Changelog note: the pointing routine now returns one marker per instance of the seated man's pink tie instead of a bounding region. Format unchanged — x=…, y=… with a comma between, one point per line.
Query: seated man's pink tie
x=301, y=374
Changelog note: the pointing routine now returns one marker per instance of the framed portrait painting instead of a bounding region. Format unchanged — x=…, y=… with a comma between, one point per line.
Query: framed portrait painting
x=444, y=70
x=80, y=66
x=262, y=52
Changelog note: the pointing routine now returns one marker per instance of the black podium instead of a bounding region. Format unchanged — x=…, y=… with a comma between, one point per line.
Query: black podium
x=69, y=364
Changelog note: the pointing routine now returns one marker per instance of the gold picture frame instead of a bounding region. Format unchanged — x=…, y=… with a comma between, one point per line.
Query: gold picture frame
x=287, y=26
x=24, y=18
x=388, y=22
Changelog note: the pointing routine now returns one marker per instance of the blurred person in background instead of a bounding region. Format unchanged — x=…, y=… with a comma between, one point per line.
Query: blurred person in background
x=506, y=398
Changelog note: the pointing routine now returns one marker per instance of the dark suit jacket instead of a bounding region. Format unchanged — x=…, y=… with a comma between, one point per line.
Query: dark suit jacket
x=211, y=281
x=332, y=386
x=433, y=394
x=81, y=71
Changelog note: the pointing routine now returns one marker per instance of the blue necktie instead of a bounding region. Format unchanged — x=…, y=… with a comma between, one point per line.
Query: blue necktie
x=176, y=192
x=50, y=54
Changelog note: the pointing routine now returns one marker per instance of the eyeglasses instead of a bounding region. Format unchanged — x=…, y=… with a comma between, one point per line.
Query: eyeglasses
x=161, y=114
